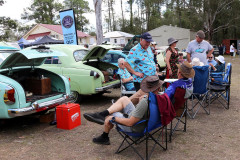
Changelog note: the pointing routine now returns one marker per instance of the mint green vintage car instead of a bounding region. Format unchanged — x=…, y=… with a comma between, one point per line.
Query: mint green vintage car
x=84, y=69
x=20, y=67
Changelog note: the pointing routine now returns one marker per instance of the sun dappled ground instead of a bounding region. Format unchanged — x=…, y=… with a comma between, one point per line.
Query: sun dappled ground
x=214, y=136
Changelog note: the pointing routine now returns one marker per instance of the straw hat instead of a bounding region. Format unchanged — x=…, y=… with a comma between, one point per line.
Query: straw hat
x=196, y=62
x=220, y=59
x=150, y=83
x=186, y=69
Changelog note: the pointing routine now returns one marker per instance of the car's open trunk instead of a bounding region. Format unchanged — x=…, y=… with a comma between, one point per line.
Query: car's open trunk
x=37, y=91
x=104, y=67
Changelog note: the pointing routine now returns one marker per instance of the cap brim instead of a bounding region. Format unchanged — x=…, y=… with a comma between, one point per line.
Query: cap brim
x=149, y=40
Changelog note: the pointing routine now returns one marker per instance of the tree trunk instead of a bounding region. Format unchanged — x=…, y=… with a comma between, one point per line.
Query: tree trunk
x=122, y=16
x=113, y=22
x=131, y=16
x=109, y=16
x=98, y=13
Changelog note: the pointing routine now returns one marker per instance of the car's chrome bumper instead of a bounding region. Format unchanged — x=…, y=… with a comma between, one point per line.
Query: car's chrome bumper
x=38, y=107
x=107, y=87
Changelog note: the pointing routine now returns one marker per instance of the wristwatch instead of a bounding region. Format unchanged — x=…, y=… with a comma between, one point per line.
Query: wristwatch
x=113, y=119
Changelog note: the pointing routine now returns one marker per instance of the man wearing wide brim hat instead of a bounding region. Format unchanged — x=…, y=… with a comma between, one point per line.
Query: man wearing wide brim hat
x=130, y=115
x=199, y=48
x=185, y=73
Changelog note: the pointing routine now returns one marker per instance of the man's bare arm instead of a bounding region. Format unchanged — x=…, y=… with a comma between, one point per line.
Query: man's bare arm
x=210, y=52
x=189, y=57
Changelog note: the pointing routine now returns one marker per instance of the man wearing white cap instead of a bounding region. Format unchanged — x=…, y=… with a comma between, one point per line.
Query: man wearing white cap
x=198, y=48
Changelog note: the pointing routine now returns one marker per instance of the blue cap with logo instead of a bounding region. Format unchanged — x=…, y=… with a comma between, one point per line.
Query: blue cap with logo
x=147, y=37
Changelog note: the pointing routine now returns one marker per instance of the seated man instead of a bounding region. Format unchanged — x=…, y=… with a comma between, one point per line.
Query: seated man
x=211, y=60
x=185, y=73
x=125, y=75
x=135, y=114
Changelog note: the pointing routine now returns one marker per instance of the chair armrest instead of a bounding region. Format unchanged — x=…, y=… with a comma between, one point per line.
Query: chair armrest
x=124, y=125
x=127, y=82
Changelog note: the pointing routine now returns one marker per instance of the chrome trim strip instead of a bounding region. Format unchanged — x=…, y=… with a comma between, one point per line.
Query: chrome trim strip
x=33, y=108
x=107, y=87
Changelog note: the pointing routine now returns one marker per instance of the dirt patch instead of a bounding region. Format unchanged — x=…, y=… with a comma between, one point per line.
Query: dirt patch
x=213, y=136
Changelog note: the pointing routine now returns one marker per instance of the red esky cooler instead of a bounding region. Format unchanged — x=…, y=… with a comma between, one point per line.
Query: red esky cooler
x=68, y=116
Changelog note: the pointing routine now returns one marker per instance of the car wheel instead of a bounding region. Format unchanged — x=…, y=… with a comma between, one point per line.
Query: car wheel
x=76, y=97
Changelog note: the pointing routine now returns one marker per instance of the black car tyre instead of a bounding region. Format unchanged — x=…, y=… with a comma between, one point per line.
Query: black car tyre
x=76, y=97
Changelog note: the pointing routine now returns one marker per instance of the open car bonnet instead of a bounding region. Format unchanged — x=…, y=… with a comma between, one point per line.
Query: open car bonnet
x=30, y=57
x=98, y=52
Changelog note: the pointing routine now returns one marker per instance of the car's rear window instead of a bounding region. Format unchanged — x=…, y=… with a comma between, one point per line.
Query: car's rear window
x=79, y=55
x=4, y=54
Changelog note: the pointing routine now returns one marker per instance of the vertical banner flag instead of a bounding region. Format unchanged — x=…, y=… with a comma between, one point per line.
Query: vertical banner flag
x=67, y=18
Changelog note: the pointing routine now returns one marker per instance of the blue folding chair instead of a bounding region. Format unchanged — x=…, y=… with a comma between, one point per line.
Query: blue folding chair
x=153, y=126
x=218, y=76
x=200, y=91
x=220, y=90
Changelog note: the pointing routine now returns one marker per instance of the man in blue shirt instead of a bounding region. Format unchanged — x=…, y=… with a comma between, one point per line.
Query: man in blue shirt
x=140, y=60
x=125, y=75
x=185, y=73
x=211, y=60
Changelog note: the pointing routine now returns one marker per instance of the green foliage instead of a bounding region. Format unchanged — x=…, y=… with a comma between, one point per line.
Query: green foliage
x=80, y=7
x=9, y=28
x=43, y=11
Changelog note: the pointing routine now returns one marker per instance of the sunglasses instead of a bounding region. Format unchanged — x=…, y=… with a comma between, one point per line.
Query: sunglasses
x=210, y=57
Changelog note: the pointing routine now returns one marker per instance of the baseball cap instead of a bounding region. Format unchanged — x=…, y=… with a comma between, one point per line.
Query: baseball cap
x=201, y=34
x=147, y=37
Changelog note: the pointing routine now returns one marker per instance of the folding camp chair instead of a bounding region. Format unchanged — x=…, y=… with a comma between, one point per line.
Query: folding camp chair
x=200, y=91
x=180, y=105
x=153, y=127
x=125, y=92
x=220, y=89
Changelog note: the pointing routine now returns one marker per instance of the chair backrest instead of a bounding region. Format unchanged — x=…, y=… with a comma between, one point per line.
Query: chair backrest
x=178, y=98
x=227, y=76
x=200, y=79
x=154, y=114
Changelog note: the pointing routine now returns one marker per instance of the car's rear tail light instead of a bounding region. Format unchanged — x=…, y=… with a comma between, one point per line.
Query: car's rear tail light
x=9, y=95
x=96, y=75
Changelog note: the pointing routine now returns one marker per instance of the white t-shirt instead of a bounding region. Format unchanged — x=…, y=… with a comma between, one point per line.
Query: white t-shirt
x=199, y=50
x=232, y=48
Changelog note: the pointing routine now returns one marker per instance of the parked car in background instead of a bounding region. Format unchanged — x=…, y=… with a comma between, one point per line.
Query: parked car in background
x=21, y=87
x=84, y=68
x=216, y=50
x=112, y=57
